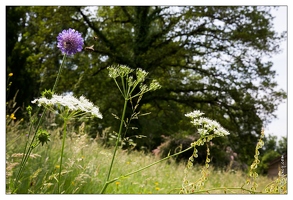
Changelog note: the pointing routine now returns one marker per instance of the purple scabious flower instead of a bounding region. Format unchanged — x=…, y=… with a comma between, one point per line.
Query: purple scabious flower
x=70, y=41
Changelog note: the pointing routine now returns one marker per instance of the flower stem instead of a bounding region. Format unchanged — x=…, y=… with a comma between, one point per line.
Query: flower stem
x=28, y=151
x=116, y=147
x=59, y=72
x=62, y=150
x=152, y=164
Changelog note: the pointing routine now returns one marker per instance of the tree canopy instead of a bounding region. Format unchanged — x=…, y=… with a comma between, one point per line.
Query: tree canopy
x=207, y=58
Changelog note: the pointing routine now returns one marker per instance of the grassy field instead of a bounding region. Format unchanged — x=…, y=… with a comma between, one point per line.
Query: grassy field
x=86, y=164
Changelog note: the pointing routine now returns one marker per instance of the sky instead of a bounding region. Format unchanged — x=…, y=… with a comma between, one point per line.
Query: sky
x=278, y=127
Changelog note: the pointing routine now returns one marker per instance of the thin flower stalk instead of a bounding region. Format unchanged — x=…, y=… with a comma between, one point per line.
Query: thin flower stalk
x=69, y=43
x=69, y=107
x=30, y=147
x=127, y=88
x=208, y=129
x=116, y=147
x=62, y=151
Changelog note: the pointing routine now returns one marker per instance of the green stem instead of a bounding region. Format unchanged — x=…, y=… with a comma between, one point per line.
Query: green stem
x=30, y=148
x=62, y=150
x=116, y=147
x=154, y=163
x=59, y=72
x=123, y=87
x=25, y=156
x=25, y=148
x=119, y=87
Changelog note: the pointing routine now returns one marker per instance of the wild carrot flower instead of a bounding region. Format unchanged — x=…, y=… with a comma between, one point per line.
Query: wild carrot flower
x=194, y=114
x=206, y=125
x=70, y=107
x=70, y=41
x=72, y=103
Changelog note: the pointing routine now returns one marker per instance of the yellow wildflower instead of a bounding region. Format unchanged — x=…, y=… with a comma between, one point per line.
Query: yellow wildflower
x=12, y=116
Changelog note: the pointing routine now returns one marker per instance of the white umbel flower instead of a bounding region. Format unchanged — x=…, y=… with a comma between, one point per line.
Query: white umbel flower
x=194, y=114
x=72, y=103
x=206, y=125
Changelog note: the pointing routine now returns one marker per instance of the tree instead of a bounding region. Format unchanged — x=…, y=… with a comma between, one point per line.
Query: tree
x=16, y=56
x=282, y=146
x=271, y=150
x=206, y=57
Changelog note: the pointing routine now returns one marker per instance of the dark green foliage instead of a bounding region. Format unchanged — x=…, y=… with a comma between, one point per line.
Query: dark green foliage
x=205, y=57
x=282, y=146
x=272, y=149
x=265, y=161
x=17, y=53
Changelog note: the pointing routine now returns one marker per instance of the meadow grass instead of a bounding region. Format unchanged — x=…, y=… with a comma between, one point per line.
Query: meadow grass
x=86, y=163
x=62, y=160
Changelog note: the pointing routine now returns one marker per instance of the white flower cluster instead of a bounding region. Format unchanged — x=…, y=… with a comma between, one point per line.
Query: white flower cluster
x=206, y=125
x=121, y=70
x=194, y=114
x=71, y=102
x=141, y=75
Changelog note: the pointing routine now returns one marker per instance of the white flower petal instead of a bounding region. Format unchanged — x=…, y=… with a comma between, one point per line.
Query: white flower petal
x=72, y=103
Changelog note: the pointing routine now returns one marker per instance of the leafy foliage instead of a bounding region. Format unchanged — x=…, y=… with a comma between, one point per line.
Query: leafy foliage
x=273, y=148
x=205, y=57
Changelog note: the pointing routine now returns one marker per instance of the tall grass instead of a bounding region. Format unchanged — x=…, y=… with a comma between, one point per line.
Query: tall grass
x=86, y=163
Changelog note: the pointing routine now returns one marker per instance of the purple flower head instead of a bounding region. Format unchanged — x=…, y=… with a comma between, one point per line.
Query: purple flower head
x=70, y=41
